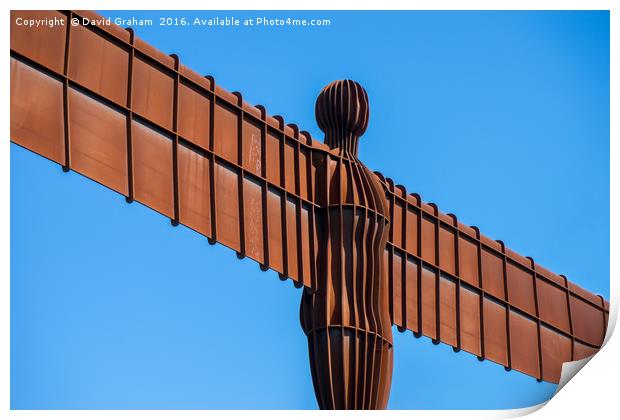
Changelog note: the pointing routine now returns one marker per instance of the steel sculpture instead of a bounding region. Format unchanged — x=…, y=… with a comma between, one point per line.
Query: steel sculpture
x=99, y=101
x=347, y=317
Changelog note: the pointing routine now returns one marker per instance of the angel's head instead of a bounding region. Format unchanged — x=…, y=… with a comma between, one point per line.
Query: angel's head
x=342, y=113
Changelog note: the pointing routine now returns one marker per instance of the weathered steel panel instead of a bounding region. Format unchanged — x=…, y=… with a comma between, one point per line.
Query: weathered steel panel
x=37, y=112
x=227, y=205
x=556, y=349
x=521, y=288
x=447, y=244
x=411, y=300
x=252, y=149
x=447, y=311
x=253, y=219
x=468, y=261
x=225, y=133
x=46, y=45
x=272, y=155
x=98, y=146
x=495, y=334
x=194, y=116
x=492, y=274
x=524, y=346
x=553, y=305
x=152, y=168
x=195, y=190
x=98, y=64
x=397, y=265
x=588, y=322
x=469, y=317
x=428, y=292
x=152, y=94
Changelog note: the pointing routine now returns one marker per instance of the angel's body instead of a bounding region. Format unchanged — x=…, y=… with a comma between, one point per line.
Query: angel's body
x=352, y=364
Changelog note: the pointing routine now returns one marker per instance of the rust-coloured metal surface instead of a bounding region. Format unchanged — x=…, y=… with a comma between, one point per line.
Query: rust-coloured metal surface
x=530, y=319
x=37, y=111
x=101, y=102
x=99, y=141
x=346, y=318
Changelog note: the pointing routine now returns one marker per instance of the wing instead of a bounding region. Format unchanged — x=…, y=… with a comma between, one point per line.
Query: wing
x=451, y=283
x=103, y=103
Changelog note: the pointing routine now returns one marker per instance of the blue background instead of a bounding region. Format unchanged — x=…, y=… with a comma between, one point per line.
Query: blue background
x=499, y=117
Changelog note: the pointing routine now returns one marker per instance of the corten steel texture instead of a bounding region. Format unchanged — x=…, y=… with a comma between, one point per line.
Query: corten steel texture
x=103, y=103
x=347, y=318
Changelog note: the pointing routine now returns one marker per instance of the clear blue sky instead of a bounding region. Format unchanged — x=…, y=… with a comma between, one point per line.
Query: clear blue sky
x=501, y=118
